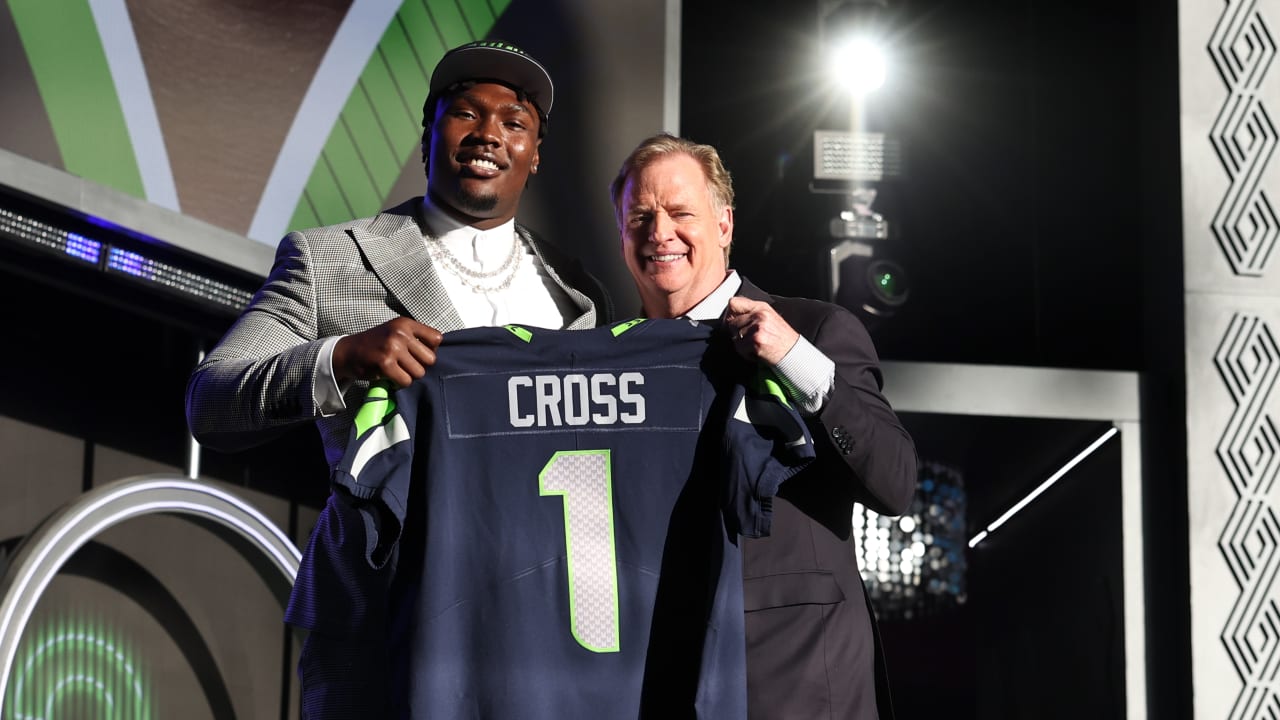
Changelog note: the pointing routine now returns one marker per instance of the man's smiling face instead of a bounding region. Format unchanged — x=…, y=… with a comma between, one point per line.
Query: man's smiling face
x=484, y=146
x=673, y=235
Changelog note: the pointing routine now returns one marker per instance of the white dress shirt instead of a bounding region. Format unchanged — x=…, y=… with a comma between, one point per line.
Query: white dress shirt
x=532, y=298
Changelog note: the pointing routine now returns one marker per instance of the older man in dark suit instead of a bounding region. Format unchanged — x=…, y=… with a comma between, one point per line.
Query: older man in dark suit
x=812, y=647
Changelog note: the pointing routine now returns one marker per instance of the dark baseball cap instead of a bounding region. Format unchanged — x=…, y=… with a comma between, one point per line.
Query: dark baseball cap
x=494, y=60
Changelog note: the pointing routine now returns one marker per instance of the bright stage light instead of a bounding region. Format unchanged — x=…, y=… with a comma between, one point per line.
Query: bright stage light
x=859, y=65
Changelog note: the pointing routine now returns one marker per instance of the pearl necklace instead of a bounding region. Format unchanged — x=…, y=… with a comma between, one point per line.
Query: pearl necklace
x=476, y=279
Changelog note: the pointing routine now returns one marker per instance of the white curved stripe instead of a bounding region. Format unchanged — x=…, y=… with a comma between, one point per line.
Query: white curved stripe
x=393, y=433
x=343, y=62
x=53, y=543
x=124, y=61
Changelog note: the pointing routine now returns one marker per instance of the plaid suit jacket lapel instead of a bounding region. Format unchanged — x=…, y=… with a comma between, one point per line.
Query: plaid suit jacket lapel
x=392, y=244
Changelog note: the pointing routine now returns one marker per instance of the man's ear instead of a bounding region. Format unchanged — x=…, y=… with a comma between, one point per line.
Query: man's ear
x=533, y=167
x=726, y=227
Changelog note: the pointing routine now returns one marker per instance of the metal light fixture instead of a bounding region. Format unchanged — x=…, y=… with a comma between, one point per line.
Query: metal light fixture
x=874, y=288
x=858, y=160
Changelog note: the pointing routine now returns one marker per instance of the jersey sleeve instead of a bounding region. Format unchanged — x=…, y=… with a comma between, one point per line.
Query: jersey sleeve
x=378, y=463
x=765, y=442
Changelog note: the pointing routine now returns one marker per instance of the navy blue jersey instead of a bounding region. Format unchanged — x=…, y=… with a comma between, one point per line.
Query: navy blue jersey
x=551, y=518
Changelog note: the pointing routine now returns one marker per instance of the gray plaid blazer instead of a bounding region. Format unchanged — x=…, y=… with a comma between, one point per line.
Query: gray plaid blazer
x=337, y=280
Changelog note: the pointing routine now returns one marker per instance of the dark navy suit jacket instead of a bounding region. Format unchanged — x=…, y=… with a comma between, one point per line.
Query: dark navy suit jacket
x=812, y=646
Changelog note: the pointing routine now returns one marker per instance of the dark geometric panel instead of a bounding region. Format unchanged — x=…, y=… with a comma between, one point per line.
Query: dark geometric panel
x=1242, y=133
x=1248, y=543
x=1250, y=456
x=1255, y=702
x=1248, y=360
x=1245, y=223
x=1241, y=46
x=1252, y=633
x=1244, y=137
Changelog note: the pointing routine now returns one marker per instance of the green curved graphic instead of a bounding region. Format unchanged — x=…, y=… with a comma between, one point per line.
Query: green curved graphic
x=76, y=667
x=376, y=132
x=71, y=72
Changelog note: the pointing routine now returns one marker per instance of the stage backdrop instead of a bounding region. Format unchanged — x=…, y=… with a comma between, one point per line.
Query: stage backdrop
x=265, y=117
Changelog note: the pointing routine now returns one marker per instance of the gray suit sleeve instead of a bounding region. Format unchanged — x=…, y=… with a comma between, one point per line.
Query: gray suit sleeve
x=259, y=380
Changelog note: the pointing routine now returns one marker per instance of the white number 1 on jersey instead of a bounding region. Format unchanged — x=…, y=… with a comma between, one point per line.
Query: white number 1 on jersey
x=583, y=479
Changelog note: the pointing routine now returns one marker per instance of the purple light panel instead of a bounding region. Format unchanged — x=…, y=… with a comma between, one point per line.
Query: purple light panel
x=79, y=246
x=130, y=263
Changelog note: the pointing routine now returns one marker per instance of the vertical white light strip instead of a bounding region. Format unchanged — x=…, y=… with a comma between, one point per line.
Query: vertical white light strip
x=353, y=44
x=193, y=447
x=1043, y=486
x=671, y=69
x=115, y=29
x=1135, y=599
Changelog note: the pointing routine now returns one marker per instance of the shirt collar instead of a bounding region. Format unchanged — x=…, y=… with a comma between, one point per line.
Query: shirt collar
x=440, y=224
x=713, y=306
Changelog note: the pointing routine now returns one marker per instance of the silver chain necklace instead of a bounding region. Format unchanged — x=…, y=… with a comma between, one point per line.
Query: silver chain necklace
x=476, y=279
